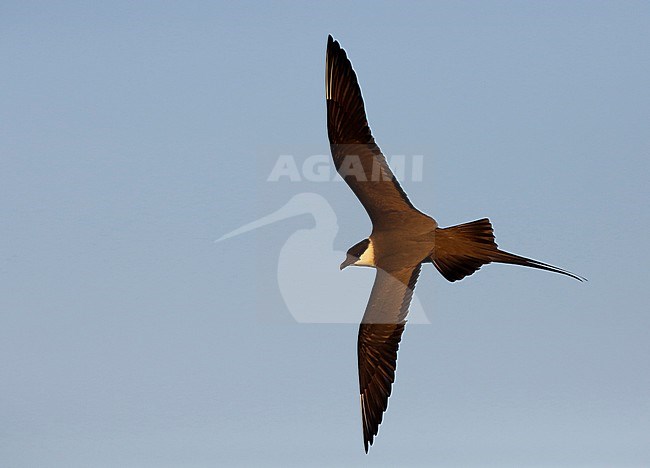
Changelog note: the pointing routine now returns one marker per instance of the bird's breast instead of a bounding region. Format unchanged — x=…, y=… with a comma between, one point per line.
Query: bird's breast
x=400, y=249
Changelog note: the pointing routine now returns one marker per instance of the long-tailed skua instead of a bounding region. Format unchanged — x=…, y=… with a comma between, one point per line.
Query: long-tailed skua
x=402, y=239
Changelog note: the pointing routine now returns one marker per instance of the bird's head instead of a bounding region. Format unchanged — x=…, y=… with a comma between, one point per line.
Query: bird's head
x=360, y=254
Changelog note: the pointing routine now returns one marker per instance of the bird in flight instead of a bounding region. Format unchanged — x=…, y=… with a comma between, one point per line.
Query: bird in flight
x=402, y=239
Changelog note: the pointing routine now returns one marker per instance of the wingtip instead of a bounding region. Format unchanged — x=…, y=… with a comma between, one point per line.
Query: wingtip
x=366, y=445
x=332, y=44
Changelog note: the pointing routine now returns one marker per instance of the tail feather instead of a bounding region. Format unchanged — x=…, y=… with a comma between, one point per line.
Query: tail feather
x=461, y=250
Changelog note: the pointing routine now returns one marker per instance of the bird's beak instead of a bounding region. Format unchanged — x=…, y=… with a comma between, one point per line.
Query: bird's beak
x=347, y=262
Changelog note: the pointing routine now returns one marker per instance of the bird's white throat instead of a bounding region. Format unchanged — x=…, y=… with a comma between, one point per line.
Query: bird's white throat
x=367, y=257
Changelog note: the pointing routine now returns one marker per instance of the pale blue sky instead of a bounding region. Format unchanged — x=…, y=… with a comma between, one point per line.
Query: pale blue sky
x=135, y=133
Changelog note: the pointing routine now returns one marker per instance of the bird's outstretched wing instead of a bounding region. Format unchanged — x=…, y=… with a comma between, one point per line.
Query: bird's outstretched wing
x=379, y=335
x=356, y=156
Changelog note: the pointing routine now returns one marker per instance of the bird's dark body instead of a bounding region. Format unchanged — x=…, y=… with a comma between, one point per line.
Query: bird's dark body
x=402, y=239
x=407, y=245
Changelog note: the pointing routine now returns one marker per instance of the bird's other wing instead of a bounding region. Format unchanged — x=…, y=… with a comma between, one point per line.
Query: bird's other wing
x=356, y=156
x=379, y=335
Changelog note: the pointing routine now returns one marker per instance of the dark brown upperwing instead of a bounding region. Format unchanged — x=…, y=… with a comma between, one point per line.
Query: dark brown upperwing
x=356, y=156
x=379, y=336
